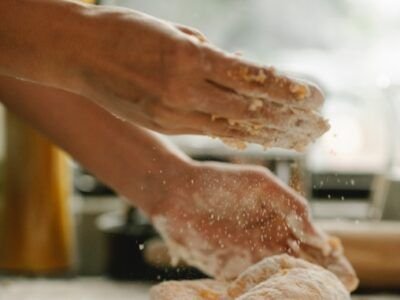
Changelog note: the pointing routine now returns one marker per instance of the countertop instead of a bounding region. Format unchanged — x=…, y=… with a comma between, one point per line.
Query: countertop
x=74, y=289
x=90, y=289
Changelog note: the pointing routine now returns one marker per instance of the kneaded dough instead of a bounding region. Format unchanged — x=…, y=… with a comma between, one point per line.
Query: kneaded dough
x=279, y=277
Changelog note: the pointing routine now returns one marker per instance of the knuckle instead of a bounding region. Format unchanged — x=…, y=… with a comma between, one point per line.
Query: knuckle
x=182, y=54
x=181, y=63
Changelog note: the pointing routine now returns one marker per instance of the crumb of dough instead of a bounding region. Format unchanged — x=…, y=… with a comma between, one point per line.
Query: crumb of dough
x=209, y=295
x=335, y=244
x=259, y=77
x=214, y=118
x=234, y=143
x=255, y=104
x=299, y=91
x=232, y=122
x=250, y=127
x=246, y=74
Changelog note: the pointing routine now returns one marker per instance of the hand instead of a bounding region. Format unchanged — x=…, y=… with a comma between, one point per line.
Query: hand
x=224, y=218
x=159, y=75
x=168, y=78
x=221, y=217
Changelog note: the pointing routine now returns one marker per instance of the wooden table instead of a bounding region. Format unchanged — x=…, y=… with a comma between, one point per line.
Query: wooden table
x=373, y=248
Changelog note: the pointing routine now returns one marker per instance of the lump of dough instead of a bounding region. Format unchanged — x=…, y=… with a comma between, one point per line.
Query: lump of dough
x=279, y=277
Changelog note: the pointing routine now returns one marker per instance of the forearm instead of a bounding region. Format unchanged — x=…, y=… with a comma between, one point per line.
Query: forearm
x=126, y=157
x=39, y=40
x=68, y=45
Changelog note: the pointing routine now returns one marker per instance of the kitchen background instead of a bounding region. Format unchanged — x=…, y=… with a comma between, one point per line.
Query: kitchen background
x=351, y=175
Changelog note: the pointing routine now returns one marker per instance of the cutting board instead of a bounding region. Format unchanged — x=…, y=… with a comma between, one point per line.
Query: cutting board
x=373, y=248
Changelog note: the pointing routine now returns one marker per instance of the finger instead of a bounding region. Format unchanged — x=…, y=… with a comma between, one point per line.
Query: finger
x=214, y=100
x=340, y=266
x=223, y=103
x=334, y=262
x=174, y=121
x=192, y=32
x=194, y=123
x=293, y=208
x=293, y=125
x=271, y=137
x=254, y=80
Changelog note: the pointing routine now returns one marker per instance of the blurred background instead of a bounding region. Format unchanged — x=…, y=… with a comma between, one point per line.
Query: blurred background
x=351, y=175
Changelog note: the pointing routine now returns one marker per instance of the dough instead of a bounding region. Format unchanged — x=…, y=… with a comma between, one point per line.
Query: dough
x=279, y=277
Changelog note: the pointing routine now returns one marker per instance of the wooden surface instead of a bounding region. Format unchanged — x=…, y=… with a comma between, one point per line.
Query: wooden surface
x=372, y=248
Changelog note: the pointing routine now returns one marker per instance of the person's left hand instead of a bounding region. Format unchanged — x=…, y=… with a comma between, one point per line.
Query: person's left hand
x=222, y=218
x=168, y=78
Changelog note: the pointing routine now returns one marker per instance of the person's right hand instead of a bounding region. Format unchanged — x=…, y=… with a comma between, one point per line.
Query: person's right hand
x=222, y=218
x=168, y=78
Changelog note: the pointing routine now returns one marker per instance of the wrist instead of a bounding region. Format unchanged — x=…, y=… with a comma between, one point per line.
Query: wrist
x=127, y=53
x=154, y=185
